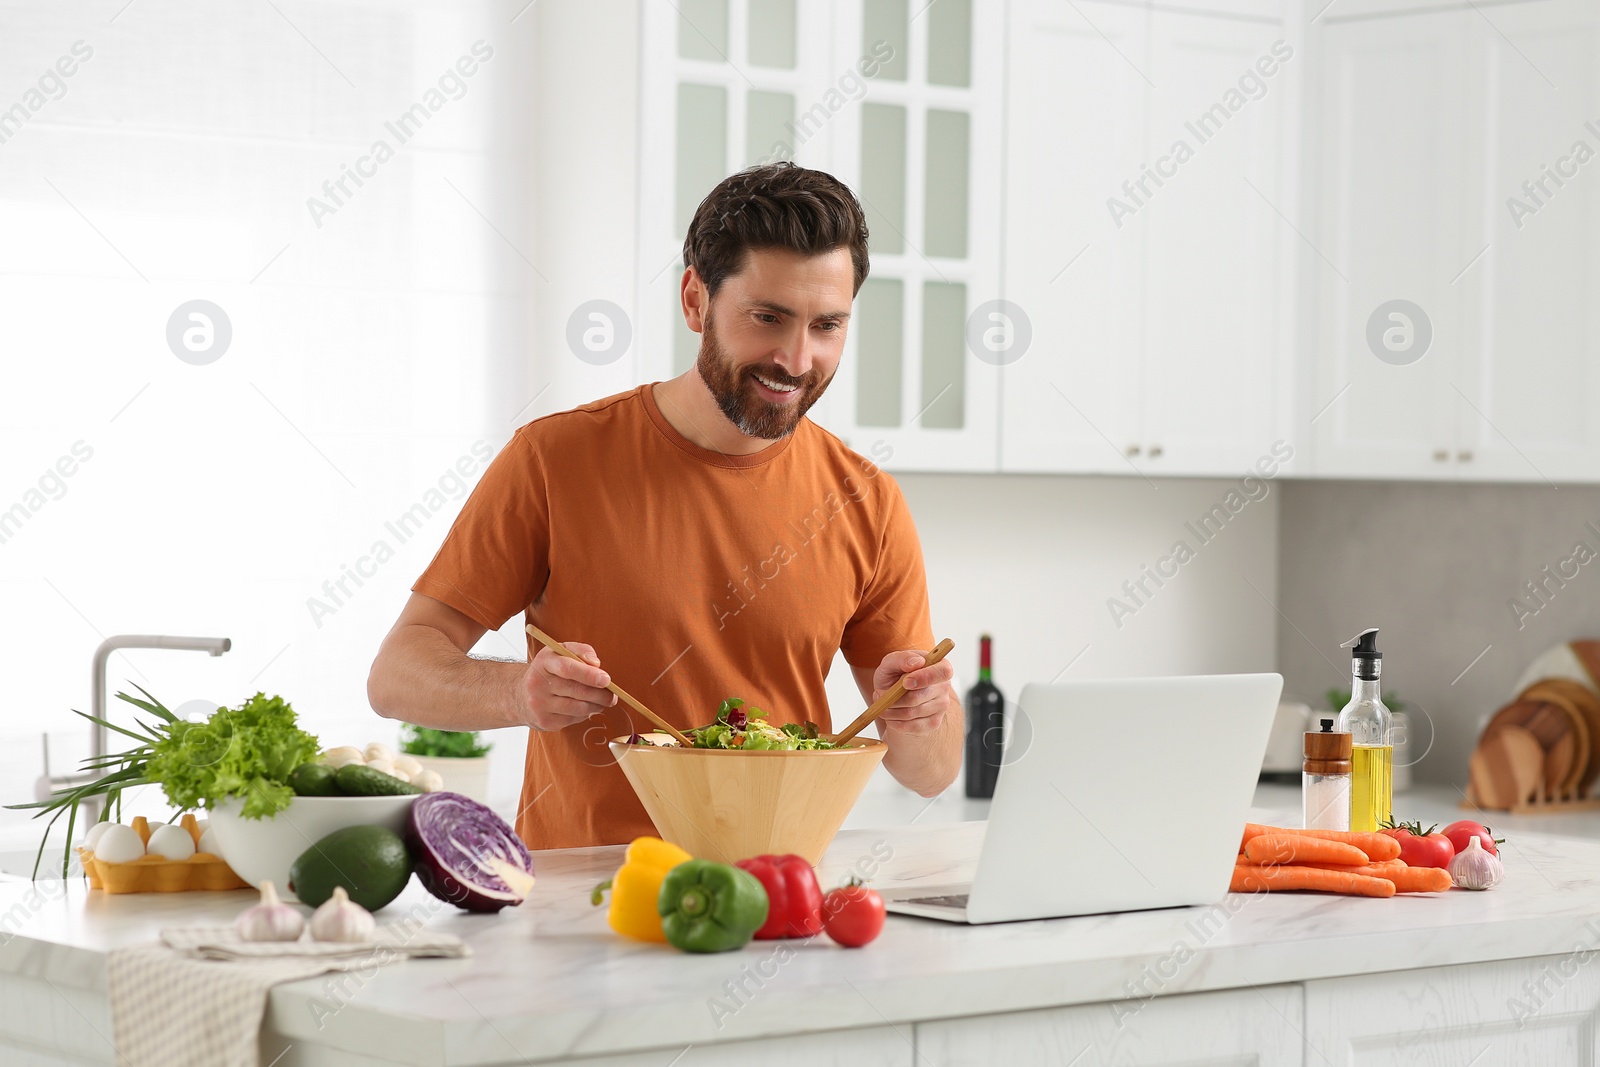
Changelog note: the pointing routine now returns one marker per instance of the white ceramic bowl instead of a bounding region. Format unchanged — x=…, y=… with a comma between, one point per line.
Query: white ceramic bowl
x=261, y=850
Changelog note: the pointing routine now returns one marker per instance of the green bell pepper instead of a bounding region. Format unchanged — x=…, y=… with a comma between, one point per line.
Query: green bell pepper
x=710, y=907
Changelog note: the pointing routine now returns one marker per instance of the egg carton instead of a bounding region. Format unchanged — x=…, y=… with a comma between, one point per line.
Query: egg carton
x=156, y=874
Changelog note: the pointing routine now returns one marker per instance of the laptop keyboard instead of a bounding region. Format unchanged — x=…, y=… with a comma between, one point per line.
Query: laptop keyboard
x=953, y=900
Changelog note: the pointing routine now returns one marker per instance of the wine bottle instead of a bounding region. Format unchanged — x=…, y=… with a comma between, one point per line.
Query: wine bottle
x=986, y=709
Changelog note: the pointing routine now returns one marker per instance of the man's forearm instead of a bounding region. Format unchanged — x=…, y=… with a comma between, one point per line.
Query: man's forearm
x=928, y=762
x=420, y=677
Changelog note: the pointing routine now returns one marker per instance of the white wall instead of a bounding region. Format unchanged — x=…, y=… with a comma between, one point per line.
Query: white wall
x=1034, y=559
x=369, y=354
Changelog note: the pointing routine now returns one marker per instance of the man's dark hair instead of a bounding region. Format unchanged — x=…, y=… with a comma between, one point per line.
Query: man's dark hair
x=774, y=205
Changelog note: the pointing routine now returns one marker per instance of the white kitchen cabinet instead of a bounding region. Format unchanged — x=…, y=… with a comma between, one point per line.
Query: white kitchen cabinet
x=1540, y=1011
x=879, y=1046
x=1148, y=159
x=1077, y=107
x=1219, y=278
x=1390, y=223
x=1244, y=1027
x=921, y=150
x=1530, y=382
x=901, y=102
x=1426, y=124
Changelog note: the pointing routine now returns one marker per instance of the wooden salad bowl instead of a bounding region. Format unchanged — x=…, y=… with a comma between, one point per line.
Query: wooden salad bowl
x=727, y=804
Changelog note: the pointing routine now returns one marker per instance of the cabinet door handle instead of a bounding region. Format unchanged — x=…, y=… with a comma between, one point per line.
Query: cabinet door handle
x=1465, y=455
x=1441, y=455
x=1155, y=451
x=1132, y=450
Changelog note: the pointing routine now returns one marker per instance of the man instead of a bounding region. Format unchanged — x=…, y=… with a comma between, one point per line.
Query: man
x=693, y=539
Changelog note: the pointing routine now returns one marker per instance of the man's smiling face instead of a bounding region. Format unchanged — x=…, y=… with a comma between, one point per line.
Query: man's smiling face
x=772, y=338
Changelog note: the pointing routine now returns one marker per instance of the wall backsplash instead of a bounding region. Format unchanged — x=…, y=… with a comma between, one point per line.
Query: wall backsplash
x=1035, y=559
x=1439, y=568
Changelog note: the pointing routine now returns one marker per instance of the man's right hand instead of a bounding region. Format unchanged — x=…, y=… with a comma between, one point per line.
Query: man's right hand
x=555, y=691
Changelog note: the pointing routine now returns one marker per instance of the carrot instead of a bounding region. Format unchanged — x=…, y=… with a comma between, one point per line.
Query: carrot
x=1415, y=879
x=1353, y=868
x=1376, y=846
x=1262, y=879
x=1290, y=848
x=1406, y=879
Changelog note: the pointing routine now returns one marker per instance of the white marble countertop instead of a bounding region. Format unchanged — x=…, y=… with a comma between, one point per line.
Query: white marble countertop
x=549, y=979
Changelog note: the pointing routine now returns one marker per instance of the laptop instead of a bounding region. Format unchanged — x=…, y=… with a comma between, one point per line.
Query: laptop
x=1115, y=795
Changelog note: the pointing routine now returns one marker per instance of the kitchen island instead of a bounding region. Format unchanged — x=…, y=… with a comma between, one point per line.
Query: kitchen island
x=1457, y=978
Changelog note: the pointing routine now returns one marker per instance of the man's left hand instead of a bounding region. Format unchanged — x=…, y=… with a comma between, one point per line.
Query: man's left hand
x=928, y=692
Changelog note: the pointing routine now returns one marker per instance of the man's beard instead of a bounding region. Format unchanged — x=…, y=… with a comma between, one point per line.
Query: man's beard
x=734, y=389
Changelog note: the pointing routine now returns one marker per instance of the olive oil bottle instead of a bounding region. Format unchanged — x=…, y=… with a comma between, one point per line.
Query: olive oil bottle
x=1367, y=721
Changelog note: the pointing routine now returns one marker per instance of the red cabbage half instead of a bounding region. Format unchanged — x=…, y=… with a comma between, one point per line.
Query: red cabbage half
x=465, y=854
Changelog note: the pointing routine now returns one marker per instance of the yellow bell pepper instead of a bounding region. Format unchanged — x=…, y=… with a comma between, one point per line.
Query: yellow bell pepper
x=637, y=885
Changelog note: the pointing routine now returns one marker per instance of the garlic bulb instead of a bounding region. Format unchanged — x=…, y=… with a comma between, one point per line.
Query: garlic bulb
x=377, y=750
x=1475, y=867
x=382, y=766
x=270, y=920
x=341, y=919
x=408, y=764
x=428, y=781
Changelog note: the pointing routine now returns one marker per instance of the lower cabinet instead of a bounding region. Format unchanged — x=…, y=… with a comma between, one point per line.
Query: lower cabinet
x=1539, y=1011
x=1258, y=1027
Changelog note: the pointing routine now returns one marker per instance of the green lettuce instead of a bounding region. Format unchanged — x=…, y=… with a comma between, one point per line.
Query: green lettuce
x=248, y=752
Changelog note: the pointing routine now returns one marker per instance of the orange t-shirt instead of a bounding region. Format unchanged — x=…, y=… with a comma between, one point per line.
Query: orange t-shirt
x=696, y=576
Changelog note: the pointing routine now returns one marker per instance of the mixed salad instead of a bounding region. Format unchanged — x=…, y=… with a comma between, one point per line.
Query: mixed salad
x=745, y=726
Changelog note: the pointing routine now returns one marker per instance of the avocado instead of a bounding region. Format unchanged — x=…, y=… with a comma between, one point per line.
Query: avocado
x=314, y=780
x=357, y=780
x=371, y=862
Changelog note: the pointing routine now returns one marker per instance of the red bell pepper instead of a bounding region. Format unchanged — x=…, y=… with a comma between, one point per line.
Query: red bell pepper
x=793, y=895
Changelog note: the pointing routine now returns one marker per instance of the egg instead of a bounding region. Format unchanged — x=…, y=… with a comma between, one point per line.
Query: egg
x=151, y=826
x=380, y=751
x=208, y=843
x=202, y=825
x=92, y=838
x=171, y=843
x=119, y=844
x=408, y=764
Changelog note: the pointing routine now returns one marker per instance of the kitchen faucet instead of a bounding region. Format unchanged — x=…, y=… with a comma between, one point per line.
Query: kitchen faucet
x=49, y=783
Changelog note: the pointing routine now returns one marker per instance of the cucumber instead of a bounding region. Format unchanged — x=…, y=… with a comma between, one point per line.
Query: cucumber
x=357, y=780
x=314, y=780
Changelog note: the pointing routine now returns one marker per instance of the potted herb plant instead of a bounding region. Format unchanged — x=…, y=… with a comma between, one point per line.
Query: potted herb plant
x=461, y=759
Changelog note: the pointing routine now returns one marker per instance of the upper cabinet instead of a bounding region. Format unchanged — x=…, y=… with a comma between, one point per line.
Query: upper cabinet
x=1452, y=249
x=902, y=102
x=1159, y=239
x=1147, y=170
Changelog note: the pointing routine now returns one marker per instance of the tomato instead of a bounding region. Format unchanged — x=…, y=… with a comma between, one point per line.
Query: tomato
x=1422, y=850
x=1461, y=832
x=852, y=915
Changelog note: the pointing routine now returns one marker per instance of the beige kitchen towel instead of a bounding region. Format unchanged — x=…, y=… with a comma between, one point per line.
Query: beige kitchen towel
x=196, y=998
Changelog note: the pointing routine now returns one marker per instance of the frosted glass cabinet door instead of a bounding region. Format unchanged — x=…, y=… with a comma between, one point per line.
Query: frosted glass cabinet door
x=921, y=149
x=1078, y=96
x=1392, y=230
